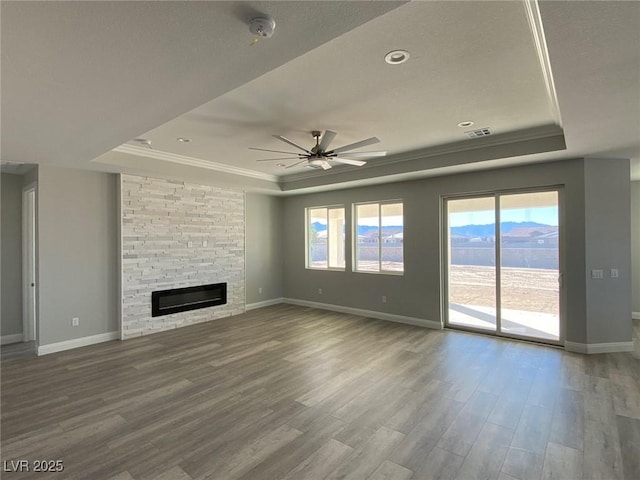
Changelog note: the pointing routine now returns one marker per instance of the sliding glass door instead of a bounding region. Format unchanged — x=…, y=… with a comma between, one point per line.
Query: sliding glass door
x=472, y=263
x=503, y=268
x=529, y=265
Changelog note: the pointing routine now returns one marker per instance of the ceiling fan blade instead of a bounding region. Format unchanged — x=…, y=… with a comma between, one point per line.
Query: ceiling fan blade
x=280, y=137
x=327, y=138
x=275, y=151
x=297, y=163
x=346, y=161
x=325, y=165
x=272, y=159
x=353, y=146
x=363, y=154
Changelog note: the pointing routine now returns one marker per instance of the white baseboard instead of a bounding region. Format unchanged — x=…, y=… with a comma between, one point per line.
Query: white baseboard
x=635, y=315
x=366, y=313
x=265, y=303
x=15, y=338
x=77, y=342
x=612, y=347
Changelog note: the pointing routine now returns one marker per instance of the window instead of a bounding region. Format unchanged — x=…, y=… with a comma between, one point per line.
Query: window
x=379, y=232
x=325, y=237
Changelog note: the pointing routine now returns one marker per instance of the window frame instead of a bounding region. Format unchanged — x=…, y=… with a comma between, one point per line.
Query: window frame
x=307, y=245
x=355, y=242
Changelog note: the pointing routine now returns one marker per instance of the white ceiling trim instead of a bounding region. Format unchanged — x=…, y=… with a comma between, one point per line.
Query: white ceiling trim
x=193, y=162
x=537, y=30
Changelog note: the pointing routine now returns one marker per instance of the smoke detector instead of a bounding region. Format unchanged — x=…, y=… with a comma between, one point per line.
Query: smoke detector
x=262, y=27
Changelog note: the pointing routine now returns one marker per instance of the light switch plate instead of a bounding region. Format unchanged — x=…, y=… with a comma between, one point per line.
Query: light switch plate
x=597, y=273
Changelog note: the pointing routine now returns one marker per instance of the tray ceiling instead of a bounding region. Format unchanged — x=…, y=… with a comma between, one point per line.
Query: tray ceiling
x=85, y=79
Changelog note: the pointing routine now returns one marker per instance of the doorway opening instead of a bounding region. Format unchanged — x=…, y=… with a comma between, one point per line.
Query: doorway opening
x=29, y=288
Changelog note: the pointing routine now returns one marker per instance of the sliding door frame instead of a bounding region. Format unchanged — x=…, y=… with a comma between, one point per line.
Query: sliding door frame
x=445, y=247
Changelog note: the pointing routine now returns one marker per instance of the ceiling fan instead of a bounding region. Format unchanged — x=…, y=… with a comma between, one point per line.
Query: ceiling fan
x=320, y=156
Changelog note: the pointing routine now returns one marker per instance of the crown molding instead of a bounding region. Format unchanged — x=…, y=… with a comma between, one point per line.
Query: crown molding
x=193, y=162
x=532, y=10
x=536, y=133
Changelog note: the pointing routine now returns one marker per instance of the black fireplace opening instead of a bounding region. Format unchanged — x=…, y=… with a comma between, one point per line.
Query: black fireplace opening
x=164, y=302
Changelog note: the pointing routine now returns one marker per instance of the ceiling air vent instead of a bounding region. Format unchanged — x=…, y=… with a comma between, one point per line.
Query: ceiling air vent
x=481, y=132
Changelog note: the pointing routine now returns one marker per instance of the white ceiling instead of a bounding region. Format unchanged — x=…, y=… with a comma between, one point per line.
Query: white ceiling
x=81, y=79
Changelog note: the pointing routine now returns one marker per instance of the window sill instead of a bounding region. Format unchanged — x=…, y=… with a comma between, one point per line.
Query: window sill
x=384, y=272
x=320, y=269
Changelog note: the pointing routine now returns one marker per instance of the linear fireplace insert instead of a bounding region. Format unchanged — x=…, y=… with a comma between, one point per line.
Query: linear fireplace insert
x=164, y=302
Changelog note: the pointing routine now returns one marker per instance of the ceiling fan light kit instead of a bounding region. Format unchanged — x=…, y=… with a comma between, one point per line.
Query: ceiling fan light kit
x=319, y=155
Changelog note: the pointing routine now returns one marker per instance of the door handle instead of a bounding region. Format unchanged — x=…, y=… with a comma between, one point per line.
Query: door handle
x=33, y=284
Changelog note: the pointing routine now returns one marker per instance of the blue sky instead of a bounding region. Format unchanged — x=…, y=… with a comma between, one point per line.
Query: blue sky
x=544, y=215
x=391, y=221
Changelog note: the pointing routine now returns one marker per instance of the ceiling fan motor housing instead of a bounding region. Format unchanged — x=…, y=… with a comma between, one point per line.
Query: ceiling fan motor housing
x=316, y=134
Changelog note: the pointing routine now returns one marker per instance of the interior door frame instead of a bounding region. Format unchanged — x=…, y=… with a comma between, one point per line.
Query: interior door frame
x=496, y=194
x=29, y=329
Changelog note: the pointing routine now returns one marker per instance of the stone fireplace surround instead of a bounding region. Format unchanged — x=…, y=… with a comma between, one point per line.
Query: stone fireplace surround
x=175, y=235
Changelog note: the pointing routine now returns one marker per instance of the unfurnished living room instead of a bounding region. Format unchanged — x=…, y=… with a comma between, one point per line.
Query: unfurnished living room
x=204, y=268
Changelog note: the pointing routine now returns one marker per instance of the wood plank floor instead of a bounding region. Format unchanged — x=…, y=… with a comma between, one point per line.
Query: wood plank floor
x=292, y=393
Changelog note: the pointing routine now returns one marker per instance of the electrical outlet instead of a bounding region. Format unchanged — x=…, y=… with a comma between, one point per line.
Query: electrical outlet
x=597, y=273
x=320, y=291
x=384, y=299
x=260, y=290
x=75, y=321
x=189, y=244
x=204, y=243
x=615, y=273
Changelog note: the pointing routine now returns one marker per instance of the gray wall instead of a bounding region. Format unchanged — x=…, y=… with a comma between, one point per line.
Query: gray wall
x=78, y=257
x=11, y=245
x=264, y=250
x=607, y=235
x=635, y=247
x=78, y=253
x=418, y=292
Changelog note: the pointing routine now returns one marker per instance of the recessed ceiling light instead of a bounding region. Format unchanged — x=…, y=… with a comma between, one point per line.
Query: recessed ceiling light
x=183, y=140
x=465, y=124
x=396, y=57
x=280, y=165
